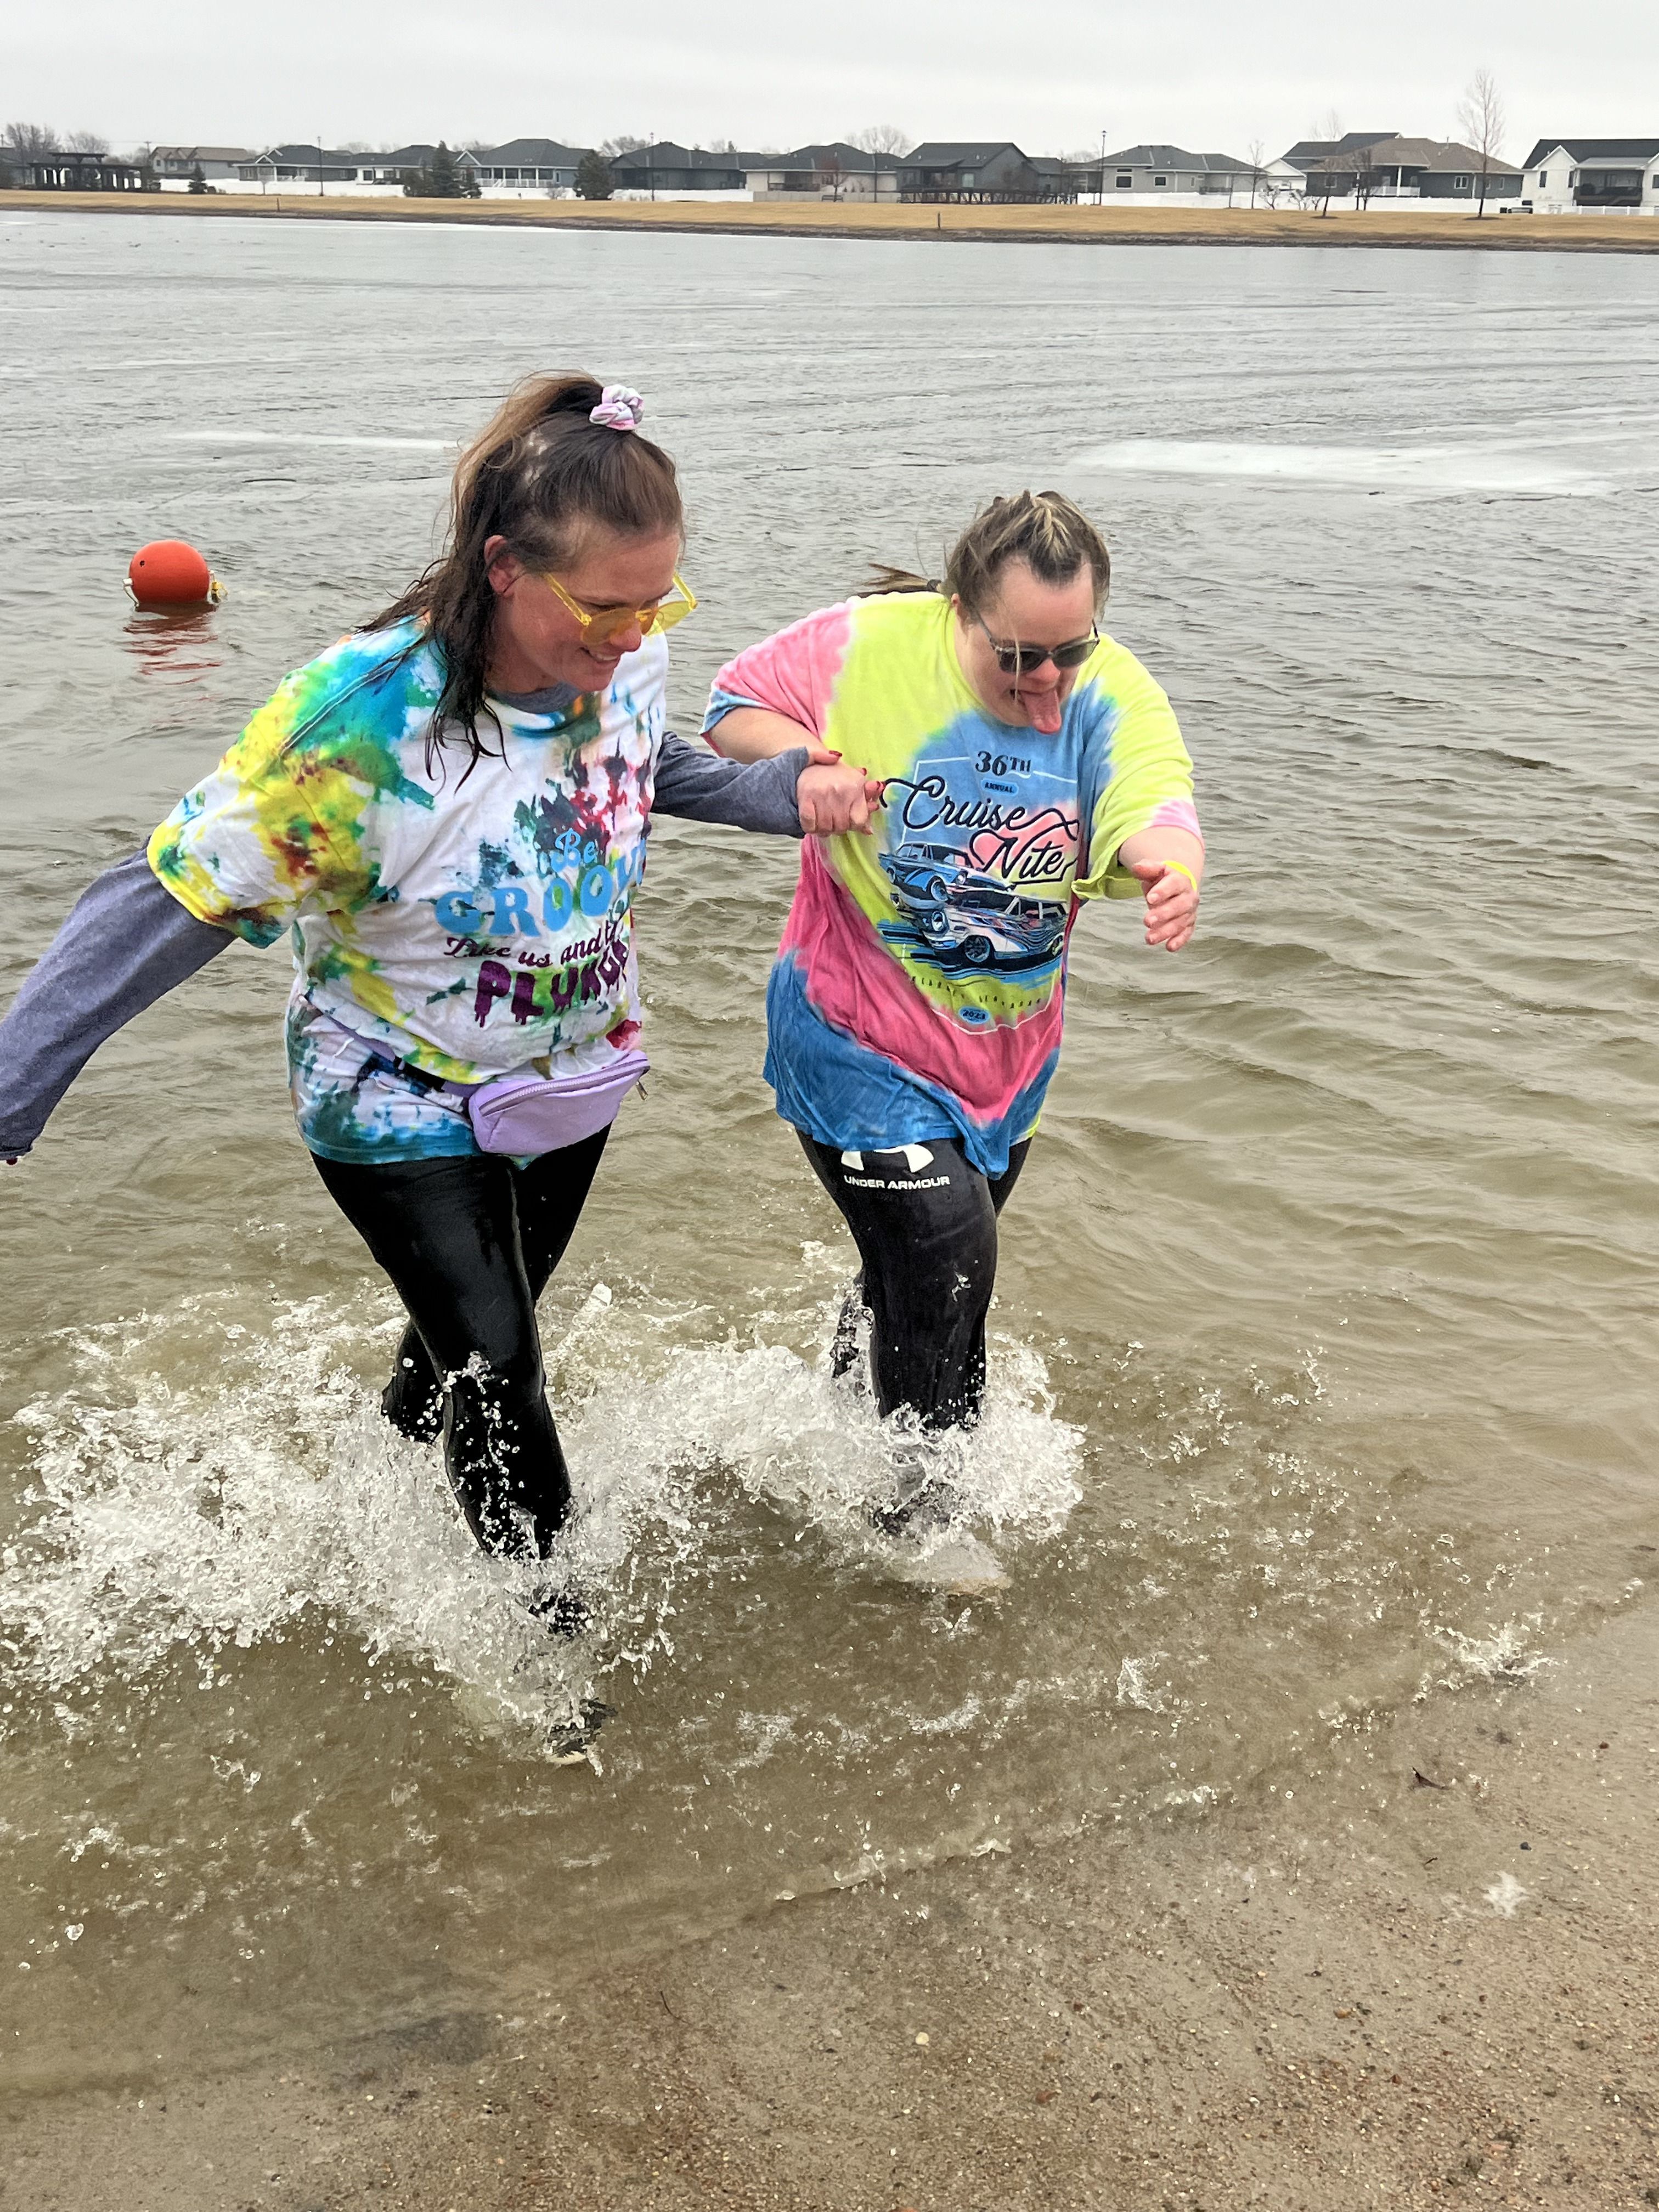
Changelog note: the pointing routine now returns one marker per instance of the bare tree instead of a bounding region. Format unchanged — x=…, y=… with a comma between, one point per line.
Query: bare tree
x=832, y=174
x=32, y=141
x=1481, y=119
x=1322, y=173
x=1257, y=149
x=1344, y=171
x=881, y=138
x=86, y=142
x=622, y=143
x=1345, y=162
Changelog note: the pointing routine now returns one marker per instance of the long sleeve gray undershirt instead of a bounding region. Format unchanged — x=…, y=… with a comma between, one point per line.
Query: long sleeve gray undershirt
x=126, y=944
x=702, y=788
x=127, y=941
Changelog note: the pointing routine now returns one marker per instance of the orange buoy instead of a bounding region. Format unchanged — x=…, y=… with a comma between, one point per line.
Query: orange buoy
x=170, y=574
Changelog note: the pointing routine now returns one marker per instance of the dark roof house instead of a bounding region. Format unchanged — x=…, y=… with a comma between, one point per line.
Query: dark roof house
x=1438, y=169
x=976, y=170
x=666, y=168
x=1607, y=173
x=1594, y=150
x=1317, y=153
x=530, y=162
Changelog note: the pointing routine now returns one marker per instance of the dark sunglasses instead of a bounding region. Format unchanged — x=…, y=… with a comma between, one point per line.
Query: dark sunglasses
x=1026, y=659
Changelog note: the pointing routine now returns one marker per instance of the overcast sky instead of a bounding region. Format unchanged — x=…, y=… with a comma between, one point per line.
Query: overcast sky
x=1215, y=75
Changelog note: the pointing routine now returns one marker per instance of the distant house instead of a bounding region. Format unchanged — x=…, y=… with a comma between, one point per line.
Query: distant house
x=1065, y=180
x=524, y=167
x=1370, y=165
x=665, y=171
x=1436, y=169
x=832, y=172
x=1311, y=156
x=1165, y=170
x=345, y=171
x=219, y=165
x=1318, y=168
x=381, y=171
x=976, y=171
x=58, y=172
x=1561, y=175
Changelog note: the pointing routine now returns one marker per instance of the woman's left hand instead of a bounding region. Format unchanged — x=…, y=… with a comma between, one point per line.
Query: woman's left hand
x=1171, y=903
x=832, y=797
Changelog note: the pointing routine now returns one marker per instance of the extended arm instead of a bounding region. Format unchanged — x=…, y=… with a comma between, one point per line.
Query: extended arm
x=126, y=942
x=702, y=788
x=796, y=787
x=1170, y=861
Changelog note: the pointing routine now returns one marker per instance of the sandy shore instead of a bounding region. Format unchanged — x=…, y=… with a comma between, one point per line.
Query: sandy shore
x=1430, y=1971
x=1080, y=226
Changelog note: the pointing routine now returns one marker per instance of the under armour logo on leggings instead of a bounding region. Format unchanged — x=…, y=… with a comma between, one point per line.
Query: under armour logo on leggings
x=916, y=1158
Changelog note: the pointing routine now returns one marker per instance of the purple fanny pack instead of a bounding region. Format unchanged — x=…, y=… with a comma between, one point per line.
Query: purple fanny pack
x=529, y=1113
x=534, y=1114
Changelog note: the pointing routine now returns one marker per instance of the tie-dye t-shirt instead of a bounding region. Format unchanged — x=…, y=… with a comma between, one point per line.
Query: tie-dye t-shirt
x=467, y=922
x=918, y=988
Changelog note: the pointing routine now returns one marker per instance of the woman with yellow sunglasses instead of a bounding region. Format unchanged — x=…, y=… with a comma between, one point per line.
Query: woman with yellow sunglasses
x=447, y=811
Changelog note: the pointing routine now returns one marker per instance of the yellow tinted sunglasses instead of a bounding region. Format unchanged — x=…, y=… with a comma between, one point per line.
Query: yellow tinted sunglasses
x=600, y=623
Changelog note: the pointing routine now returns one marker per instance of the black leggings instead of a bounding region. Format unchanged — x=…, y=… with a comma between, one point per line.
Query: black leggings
x=470, y=1245
x=925, y=1222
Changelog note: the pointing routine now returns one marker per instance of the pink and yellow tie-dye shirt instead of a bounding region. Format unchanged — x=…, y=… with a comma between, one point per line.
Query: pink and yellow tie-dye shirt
x=919, y=986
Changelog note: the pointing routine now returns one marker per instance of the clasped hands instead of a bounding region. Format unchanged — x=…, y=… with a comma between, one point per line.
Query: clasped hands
x=831, y=796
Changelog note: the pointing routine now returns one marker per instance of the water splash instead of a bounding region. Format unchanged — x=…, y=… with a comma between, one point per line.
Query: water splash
x=192, y=1503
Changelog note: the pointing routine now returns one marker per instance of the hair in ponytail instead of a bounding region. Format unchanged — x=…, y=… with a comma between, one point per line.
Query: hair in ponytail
x=537, y=476
x=1044, y=529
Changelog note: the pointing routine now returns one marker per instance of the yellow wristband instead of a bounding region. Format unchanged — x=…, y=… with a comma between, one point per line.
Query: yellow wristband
x=1179, y=869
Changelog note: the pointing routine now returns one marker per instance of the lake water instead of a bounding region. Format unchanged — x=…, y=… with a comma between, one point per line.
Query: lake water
x=1324, y=1362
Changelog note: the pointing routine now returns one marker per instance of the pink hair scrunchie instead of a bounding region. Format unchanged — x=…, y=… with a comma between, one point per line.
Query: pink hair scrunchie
x=620, y=408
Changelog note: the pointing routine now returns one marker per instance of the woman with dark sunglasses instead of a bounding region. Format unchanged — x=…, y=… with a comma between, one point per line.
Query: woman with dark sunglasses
x=1026, y=762
x=447, y=811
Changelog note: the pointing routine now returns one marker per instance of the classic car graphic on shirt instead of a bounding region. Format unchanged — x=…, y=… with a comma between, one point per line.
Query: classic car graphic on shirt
x=959, y=917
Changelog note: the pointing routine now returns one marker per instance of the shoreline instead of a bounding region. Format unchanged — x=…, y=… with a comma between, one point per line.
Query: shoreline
x=1427, y=1965
x=1025, y=225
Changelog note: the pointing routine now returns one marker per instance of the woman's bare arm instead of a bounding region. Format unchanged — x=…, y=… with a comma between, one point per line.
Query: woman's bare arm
x=752, y=733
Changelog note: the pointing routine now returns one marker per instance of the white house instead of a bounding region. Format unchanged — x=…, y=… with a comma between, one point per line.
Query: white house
x=342, y=173
x=1599, y=176
x=176, y=165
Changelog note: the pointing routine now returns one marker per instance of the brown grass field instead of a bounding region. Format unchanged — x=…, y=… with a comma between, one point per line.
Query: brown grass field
x=1071, y=226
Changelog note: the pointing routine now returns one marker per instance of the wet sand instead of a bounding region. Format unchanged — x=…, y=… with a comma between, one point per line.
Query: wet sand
x=1431, y=1972
x=1083, y=226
